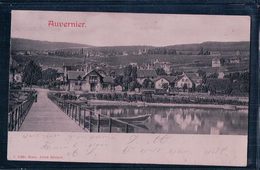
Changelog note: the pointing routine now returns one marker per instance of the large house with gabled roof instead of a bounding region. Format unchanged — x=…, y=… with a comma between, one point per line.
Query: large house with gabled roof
x=188, y=80
x=92, y=81
x=74, y=80
x=162, y=81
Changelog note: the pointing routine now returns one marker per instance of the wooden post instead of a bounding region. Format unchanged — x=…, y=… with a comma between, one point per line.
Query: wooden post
x=22, y=112
x=16, y=119
x=69, y=110
x=76, y=113
x=98, y=123
x=110, y=125
x=90, y=120
x=19, y=117
x=84, y=119
x=11, y=121
x=79, y=110
x=126, y=128
x=66, y=109
x=72, y=111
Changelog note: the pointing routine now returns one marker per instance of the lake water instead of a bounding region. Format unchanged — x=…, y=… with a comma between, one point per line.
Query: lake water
x=172, y=120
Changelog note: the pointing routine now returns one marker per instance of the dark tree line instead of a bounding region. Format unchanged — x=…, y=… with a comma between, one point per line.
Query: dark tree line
x=129, y=79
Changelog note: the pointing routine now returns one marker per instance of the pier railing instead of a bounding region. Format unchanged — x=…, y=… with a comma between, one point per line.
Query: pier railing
x=18, y=113
x=85, y=116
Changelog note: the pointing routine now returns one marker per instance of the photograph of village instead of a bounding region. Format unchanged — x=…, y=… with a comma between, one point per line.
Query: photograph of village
x=130, y=73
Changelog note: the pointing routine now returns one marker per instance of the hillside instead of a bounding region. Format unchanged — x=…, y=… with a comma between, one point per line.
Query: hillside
x=219, y=46
x=26, y=44
x=190, y=48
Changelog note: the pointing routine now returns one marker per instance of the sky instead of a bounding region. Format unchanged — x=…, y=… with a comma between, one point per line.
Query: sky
x=121, y=29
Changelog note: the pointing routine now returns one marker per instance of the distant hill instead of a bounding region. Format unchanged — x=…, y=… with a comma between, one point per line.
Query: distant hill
x=27, y=44
x=214, y=46
x=211, y=46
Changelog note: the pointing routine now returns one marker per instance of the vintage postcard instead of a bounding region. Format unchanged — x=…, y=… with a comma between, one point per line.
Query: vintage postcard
x=129, y=88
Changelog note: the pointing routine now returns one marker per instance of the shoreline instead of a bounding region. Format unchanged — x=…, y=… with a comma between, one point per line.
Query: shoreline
x=145, y=104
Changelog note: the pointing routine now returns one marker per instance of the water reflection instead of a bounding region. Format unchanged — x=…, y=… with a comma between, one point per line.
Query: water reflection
x=183, y=120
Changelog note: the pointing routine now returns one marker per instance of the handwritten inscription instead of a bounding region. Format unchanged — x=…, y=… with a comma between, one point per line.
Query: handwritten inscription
x=127, y=148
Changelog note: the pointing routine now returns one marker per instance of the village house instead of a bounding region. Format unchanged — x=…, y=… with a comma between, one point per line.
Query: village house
x=134, y=64
x=60, y=75
x=125, y=53
x=67, y=68
x=145, y=74
x=234, y=60
x=214, y=53
x=75, y=81
x=238, y=53
x=216, y=62
x=162, y=82
x=183, y=81
x=118, y=88
x=108, y=84
x=221, y=72
x=166, y=66
x=91, y=81
x=116, y=72
x=195, y=78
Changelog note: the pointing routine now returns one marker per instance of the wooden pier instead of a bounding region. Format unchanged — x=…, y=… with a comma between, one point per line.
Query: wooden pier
x=85, y=116
x=45, y=116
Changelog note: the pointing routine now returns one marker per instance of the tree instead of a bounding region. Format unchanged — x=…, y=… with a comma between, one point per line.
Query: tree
x=202, y=88
x=214, y=75
x=201, y=52
x=118, y=80
x=130, y=75
x=134, y=73
x=31, y=73
x=133, y=85
x=203, y=75
x=49, y=74
x=222, y=61
x=160, y=71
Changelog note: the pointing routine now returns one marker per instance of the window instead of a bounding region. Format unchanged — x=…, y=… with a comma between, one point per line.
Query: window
x=93, y=79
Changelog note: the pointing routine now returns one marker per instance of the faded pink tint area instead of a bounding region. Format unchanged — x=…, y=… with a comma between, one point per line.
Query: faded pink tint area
x=121, y=29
